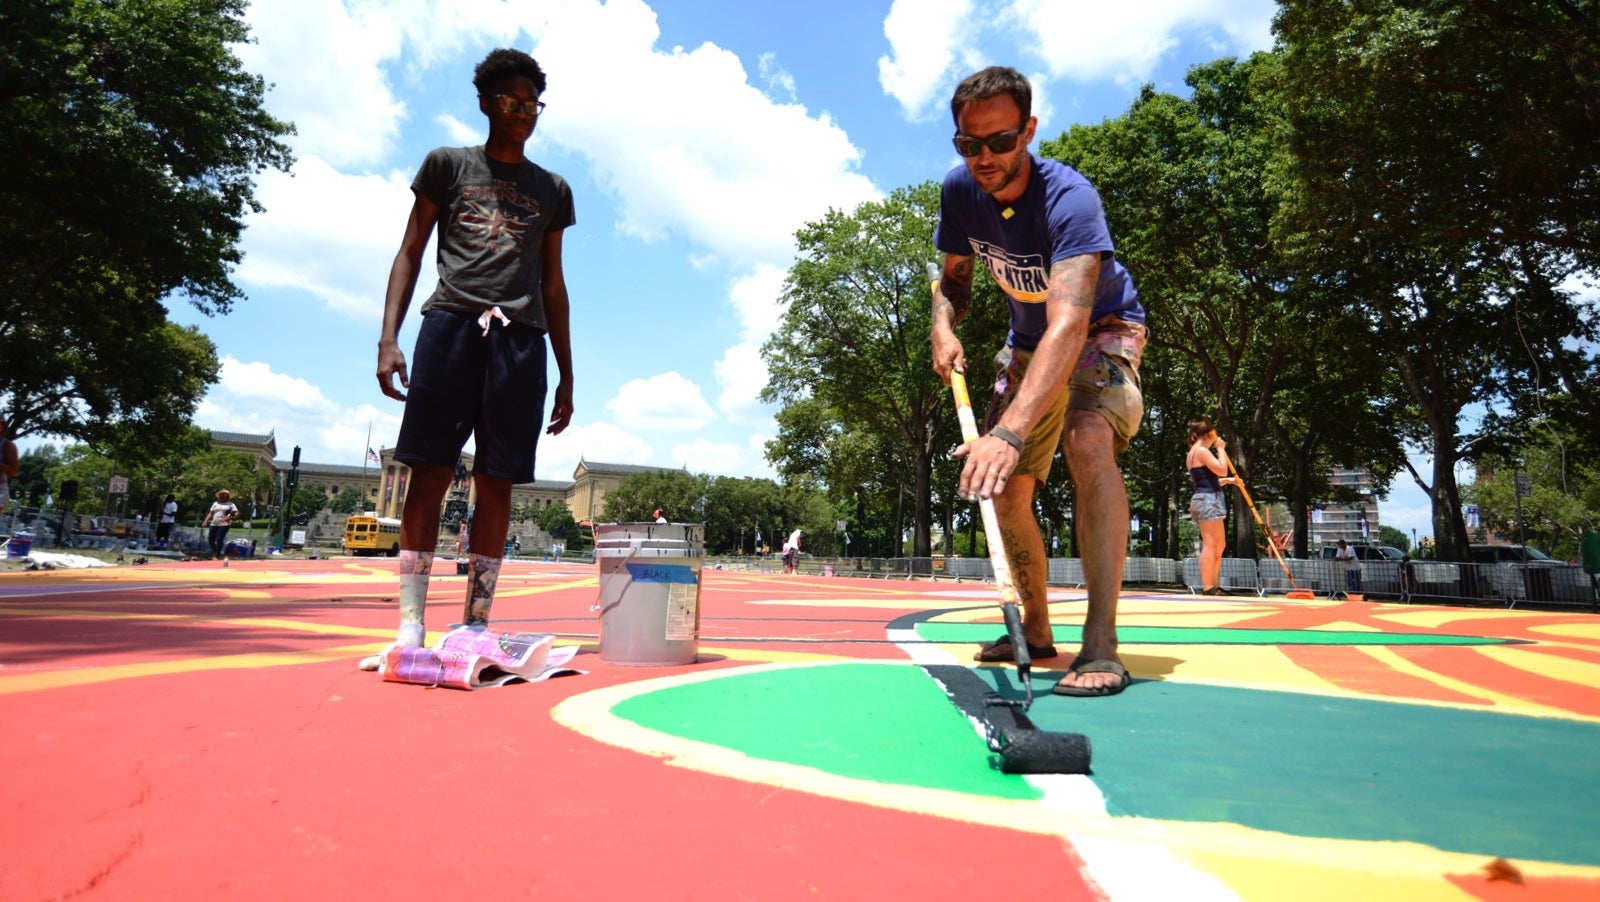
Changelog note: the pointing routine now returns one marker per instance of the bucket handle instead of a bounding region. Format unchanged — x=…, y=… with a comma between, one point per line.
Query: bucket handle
x=595, y=608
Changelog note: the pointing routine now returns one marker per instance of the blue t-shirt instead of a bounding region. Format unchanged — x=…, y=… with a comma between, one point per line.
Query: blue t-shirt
x=1057, y=217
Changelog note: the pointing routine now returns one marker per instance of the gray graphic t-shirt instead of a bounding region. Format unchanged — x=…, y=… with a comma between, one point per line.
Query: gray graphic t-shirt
x=492, y=221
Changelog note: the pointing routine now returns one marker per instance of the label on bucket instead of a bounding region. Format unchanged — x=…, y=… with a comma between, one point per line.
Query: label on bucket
x=682, y=619
x=662, y=573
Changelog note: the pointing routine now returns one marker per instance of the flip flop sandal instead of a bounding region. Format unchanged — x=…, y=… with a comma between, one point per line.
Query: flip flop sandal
x=1001, y=650
x=1082, y=667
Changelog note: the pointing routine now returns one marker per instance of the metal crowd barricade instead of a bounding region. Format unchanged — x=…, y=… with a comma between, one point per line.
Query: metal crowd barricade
x=1382, y=578
x=1066, y=571
x=1315, y=575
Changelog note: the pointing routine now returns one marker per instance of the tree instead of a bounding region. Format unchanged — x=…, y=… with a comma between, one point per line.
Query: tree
x=350, y=500
x=678, y=493
x=558, y=522
x=1186, y=185
x=308, y=500
x=214, y=469
x=132, y=136
x=32, y=483
x=1388, y=535
x=1433, y=150
x=854, y=343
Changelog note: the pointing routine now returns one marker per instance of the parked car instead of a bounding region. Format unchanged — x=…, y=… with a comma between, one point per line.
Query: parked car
x=1367, y=552
x=1512, y=554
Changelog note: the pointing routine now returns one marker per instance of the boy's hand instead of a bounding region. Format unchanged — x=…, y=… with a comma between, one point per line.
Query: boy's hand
x=391, y=363
x=561, y=409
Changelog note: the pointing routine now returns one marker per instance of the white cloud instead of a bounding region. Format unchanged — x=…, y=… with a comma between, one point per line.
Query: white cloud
x=330, y=234
x=923, y=51
x=935, y=43
x=252, y=397
x=324, y=63
x=757, y=299
x=1070, y=50
x=706, y=456
x=603, y=442
x=667, y=403
x=459, y=132
x=778, y=78
x=743, y=374
x=683, y=139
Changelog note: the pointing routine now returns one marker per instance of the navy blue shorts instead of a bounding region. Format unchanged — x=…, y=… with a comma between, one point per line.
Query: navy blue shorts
x=465, y=383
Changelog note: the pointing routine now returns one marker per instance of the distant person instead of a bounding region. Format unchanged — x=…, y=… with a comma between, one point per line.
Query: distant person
x=1068, y=375
x=9, y=464
x=659, y=516
x=480, y=366
x=1209, y=473
x=1346, y=557
x=219, y=518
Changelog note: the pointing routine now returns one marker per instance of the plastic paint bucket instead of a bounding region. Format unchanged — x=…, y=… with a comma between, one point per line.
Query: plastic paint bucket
x=649, y=592
x=19, y=546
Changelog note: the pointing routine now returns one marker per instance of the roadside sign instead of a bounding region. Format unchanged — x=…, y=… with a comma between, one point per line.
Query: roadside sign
x=1524, y=485
x=119, y=486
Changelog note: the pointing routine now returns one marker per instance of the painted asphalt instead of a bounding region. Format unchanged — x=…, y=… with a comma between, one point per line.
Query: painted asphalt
x=190, y=731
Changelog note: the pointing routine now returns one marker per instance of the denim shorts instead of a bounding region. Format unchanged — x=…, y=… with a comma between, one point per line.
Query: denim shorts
x=465, y=383
x=1207, y=506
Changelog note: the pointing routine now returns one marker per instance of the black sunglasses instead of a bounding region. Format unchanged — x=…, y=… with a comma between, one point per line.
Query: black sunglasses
x=510, y=105
x=968, y=146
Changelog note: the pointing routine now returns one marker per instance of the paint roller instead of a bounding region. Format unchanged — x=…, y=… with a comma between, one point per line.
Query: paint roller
x=1023, y=747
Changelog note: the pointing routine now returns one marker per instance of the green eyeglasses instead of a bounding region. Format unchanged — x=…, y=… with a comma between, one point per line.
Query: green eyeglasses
x=968, y=146
x=510, y=105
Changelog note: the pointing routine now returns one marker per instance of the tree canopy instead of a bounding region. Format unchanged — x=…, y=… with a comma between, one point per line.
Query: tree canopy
x=132, y=136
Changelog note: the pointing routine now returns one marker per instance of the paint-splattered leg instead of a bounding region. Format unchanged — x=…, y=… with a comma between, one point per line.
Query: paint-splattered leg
x=483, y=572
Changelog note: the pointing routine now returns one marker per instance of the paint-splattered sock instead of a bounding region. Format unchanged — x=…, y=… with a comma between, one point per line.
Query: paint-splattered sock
x=483, y=572
x=415, y=566
x=414, y=569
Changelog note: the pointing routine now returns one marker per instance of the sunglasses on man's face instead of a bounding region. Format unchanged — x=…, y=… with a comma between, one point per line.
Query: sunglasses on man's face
x=1005, y=142
x=510, y=105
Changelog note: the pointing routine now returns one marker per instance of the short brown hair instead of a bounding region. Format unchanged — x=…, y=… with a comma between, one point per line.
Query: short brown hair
x=992, y=82
x=1199, y=429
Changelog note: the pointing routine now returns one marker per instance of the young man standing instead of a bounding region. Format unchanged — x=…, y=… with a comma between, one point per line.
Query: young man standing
x=1069, y=370
x=479, y=364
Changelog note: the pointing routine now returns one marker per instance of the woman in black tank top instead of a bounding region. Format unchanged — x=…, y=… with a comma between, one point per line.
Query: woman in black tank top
x=1208, y=470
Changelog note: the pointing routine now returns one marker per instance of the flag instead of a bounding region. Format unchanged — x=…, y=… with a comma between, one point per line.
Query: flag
x=373, y=456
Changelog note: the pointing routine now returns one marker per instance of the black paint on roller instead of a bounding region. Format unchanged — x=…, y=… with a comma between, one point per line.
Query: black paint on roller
x=1040, y=752
x=1021, y=747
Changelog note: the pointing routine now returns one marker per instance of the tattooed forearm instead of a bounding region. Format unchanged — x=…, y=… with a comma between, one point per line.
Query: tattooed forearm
x=957, y=289
x=1076, y=278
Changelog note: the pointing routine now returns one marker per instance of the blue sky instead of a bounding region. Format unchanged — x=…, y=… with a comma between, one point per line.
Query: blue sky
x=697, y=135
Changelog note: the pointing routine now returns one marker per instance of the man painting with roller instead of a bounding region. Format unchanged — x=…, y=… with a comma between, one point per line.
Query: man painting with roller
x=1068, y=374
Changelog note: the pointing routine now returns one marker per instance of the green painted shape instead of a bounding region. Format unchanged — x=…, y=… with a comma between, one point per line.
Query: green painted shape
x=885, y=723
x=1479, y=782
x=1072, y=634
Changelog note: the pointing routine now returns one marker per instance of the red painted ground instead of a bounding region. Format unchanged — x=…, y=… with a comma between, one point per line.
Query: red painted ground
x=317, y=781
x=187, y=731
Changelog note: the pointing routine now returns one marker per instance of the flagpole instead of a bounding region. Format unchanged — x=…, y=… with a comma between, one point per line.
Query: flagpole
x=365, y=452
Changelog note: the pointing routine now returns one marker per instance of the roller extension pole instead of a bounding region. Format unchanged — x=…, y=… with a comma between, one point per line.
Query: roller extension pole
x=1009, y=607
x=1272, y=547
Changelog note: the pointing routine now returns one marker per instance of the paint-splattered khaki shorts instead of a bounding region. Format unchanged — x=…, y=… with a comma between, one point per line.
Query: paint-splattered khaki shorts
x=1105, y=380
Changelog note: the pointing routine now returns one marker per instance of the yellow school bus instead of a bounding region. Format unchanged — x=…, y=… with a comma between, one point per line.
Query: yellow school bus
x=372, y=535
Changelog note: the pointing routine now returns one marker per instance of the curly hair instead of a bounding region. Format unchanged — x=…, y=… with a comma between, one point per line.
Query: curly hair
x=507, y=63
x=992, y=82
